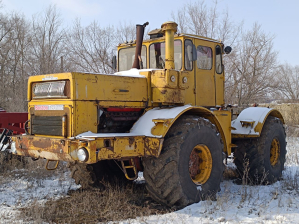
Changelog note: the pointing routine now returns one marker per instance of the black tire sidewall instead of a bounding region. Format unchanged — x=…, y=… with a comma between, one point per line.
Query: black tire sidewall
x=206, y=136
x=275, y=131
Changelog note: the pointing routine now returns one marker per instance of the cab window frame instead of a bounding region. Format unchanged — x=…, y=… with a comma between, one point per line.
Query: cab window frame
x=221, y=60
x=210, y=57
x=181, y=51
x=124, y=48
x=187, y=68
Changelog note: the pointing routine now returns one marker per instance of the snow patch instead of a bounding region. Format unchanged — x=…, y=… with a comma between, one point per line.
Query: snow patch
x=128, y=73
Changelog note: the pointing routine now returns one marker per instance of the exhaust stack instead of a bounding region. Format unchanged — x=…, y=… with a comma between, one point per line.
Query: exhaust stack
x=139, y=38
x=169, y=28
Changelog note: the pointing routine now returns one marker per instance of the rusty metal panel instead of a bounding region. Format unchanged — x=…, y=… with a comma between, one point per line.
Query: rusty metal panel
x=98, y=149
x=121, y=147
x=184, y=80
x=164, y=78
x=48, y=148
x=129, y=147
x=153, y=146
x=167, y=87
x=167, y=95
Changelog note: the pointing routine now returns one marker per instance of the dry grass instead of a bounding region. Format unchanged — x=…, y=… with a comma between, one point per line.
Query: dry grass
x=290, y=113
x=118, y=202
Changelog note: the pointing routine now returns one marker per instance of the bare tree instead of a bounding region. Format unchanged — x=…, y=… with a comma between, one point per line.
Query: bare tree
x=5, y=29
x=13, y=44
x=91, y=48
x=19, y=71
x=288, y=81
x=46, y=42
x=125, y=32
x=252, y=67
x=197, y=18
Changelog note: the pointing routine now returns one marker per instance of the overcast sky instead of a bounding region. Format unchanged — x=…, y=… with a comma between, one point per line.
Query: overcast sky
x=278, y=17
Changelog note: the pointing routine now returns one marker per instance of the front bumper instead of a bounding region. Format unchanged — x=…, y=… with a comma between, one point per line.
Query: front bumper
x=100, y=148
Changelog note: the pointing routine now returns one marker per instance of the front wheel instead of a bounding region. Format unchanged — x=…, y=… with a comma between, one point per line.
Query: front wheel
x=190, y=166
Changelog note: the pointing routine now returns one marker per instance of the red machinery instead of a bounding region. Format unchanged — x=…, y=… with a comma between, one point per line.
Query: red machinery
x=11, y=124
x=13, y=121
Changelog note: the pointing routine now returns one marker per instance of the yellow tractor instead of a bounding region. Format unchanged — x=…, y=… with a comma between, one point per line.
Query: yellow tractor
x=162, y=113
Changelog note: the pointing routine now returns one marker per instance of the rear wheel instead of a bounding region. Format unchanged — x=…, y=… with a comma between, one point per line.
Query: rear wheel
x=190, y=166
x=262, y=159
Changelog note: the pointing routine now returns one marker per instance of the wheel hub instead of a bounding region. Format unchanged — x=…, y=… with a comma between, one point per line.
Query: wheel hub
x=274, y=152
x=200, y=164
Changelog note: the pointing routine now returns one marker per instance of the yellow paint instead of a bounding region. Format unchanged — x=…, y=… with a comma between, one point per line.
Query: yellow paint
x=274, y=152
x=161, y=126
x=164, y=79
x=224, y=119
x=200, y=164
x=258, y=128
x=85, y=117
x=205, y=79
x=88, y=93
x=169, y=28
x=109, y=88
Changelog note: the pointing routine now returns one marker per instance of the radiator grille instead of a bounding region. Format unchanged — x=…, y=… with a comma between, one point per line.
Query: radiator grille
x=46, y=125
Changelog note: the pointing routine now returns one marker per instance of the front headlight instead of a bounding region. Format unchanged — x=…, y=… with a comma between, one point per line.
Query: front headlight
x=82, y=154
x=56, y=89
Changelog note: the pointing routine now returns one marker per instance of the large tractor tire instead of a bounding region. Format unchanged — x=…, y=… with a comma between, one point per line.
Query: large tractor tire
x=190, y=166
x=261, y=160
x=91, y=175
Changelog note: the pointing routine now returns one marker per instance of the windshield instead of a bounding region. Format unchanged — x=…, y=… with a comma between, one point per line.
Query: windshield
x=157, y=55
x=126, y=58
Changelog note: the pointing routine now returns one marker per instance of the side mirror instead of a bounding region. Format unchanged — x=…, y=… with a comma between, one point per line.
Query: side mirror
x=194, y=53
x=227, y=49
x=114, y=62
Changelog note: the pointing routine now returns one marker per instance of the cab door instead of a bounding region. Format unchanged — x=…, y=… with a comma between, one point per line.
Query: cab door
x=204, y=74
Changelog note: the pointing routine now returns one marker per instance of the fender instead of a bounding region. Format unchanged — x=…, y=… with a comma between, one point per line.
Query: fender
x=156, y=122
x=251, y=121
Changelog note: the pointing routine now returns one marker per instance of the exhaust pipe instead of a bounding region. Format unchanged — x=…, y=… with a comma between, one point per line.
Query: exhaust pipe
x=139, y=38
x=169, y=28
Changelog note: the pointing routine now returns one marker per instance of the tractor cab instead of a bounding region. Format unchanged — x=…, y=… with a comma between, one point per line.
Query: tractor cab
x=198, y=57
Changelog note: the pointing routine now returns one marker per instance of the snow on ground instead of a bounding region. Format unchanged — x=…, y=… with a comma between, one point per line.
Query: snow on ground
x=17, y=191
x=277, y=203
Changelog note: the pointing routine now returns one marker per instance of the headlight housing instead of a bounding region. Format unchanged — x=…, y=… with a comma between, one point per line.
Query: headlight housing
x=54, y=89
x=82, y=154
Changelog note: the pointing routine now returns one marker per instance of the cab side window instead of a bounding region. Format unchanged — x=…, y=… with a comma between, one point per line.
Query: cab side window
x=218, y=63
x=188, y=55
x=204, y=57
